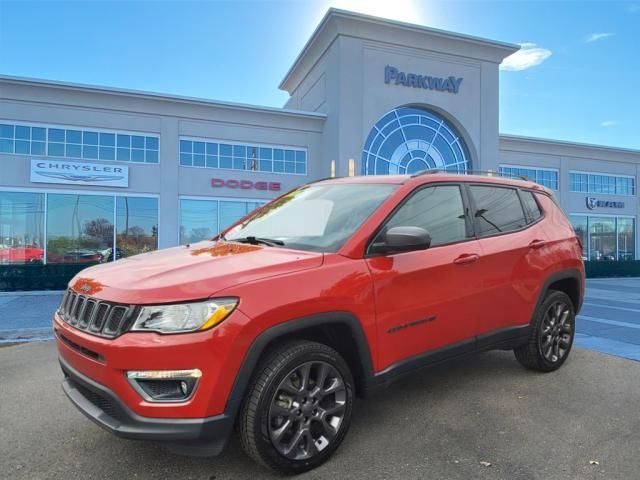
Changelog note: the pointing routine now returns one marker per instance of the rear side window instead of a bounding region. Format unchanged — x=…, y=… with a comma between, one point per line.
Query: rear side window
x=531, y=207
x=439, y=210
x=498, y=210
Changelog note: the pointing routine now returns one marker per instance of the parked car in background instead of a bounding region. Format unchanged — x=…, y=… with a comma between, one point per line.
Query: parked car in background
x=22, y=254
x=77, y=256
x=107, y=254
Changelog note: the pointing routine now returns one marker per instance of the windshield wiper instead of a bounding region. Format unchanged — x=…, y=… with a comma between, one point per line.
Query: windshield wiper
x=271, y=242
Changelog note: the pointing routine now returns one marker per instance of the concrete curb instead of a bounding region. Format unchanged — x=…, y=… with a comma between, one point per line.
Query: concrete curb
x=31, y=294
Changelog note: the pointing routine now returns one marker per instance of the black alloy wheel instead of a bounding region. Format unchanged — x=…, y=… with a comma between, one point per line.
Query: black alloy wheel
x=307, y=410
x=556, y=334
x=298, y=408
x=552, y=333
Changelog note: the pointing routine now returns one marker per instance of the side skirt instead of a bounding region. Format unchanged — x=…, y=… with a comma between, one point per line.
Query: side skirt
x=504, y=339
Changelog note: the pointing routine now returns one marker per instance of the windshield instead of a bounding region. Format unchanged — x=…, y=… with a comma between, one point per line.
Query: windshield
x=319, y=218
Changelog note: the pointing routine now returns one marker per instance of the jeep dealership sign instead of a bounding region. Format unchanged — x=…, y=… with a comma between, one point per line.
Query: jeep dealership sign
x=74, y=173
x=593, y=202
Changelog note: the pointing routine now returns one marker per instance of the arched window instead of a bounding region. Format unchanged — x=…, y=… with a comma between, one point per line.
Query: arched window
x=410, y=139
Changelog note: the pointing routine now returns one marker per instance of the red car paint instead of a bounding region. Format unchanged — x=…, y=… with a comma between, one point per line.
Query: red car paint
x=461, y=281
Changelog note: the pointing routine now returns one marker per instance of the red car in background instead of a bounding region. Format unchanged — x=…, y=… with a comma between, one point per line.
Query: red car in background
x=22, y=254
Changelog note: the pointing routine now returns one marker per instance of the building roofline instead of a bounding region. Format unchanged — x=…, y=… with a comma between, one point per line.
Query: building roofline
x=566, y=143
x=157, y=96
x=337, y=12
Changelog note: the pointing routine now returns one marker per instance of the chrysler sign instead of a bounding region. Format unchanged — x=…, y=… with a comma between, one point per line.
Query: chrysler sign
x=449, y=84
x=73, y=173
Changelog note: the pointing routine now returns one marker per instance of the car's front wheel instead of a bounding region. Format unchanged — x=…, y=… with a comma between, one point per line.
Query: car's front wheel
x=552, y=332
x=299, y=407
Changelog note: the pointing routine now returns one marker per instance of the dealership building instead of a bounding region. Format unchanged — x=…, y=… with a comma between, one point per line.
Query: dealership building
x=92, y=173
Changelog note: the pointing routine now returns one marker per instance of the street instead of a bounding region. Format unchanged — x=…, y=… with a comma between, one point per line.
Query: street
x=609, y=321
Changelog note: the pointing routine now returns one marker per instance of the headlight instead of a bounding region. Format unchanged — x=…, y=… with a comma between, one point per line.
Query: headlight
x=184, y=317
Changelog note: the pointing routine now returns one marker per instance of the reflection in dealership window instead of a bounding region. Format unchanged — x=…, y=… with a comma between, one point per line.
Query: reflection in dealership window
x=602, y=234
x=580, y=225
x=626, y=239
x=136, y=227
x=198, y=220
x=606, y=238
x=231, y=212
x=79, y=228
x=203, y=219
x=21, y=227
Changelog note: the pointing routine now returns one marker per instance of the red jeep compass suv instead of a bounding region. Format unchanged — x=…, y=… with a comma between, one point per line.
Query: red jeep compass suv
x=330, y=291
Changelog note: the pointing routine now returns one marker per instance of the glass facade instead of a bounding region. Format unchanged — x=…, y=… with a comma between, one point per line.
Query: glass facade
x=547, y=177
x=605, y=238
x=203, y=219
x=21, y=227
x=604, y=184
x=66, y=228
x=409, y=139
x=79, y=227
x=259, y=158
x=136, y=225
x=78, y=143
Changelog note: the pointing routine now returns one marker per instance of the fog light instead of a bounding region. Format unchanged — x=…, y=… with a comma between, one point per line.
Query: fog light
x=164, y=385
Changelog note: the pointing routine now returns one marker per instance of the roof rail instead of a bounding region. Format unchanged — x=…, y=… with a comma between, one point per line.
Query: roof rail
x=487, y=173
x=321, y=180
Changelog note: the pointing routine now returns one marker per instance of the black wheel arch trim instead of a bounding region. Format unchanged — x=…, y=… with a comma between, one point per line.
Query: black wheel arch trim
x=568, y=274
x=262, y=341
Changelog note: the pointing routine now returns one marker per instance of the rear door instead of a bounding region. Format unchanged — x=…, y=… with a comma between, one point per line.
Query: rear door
x=513, y=242
x=428, y=299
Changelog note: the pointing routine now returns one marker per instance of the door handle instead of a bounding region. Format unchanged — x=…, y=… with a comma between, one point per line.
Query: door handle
x=537, y=243
x=466, y=258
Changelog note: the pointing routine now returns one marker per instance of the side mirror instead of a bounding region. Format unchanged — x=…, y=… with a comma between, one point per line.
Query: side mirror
x=403, y=239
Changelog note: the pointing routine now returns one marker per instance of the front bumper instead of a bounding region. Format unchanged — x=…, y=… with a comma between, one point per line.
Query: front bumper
x=193, y=436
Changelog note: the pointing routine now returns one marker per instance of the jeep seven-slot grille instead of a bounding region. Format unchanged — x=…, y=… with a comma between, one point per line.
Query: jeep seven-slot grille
x=94, y=316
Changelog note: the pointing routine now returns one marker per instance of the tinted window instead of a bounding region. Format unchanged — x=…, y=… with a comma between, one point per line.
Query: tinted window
x=530, y=206
x=497, y=209
x=439, y=210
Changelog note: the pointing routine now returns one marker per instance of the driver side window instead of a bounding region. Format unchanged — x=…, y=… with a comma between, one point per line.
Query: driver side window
x=438, y=209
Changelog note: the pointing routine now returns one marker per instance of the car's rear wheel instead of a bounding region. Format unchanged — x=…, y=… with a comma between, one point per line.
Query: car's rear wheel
x=552, y=334
x=298, y=409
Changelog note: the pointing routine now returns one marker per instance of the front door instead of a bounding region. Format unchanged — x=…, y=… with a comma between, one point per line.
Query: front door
x=428, y=299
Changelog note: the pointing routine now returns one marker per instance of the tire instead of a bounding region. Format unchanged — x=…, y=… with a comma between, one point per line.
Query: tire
x=551, y=337
x=289, y=422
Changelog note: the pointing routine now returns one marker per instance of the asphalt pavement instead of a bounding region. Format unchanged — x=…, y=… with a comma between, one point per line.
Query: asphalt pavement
x=439, y=424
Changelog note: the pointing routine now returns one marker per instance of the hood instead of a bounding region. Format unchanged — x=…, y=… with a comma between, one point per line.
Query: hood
x=189, y=272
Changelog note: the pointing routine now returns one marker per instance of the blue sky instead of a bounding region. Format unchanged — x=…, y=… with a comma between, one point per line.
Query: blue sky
x=577, y=80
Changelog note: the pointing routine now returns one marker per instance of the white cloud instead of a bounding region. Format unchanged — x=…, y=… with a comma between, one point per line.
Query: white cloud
x=528, y=56
x=608, y=123
x=594, y=37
